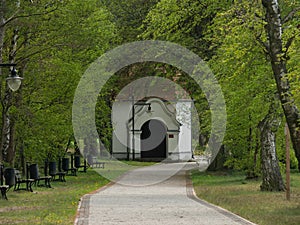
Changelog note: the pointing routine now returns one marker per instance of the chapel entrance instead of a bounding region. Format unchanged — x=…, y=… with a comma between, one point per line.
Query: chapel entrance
x=153, y=141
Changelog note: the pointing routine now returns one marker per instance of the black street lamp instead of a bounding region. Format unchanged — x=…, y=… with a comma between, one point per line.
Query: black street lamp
x=133, y=128
x=13, y=81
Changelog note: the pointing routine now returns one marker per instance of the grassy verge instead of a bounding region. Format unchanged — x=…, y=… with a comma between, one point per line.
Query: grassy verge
x=244, y=198
x=57, y=205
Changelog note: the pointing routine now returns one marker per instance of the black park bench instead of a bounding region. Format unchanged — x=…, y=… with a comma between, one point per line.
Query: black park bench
x=34, y=174
x=96, y=164
x=53, y=173
x=20, y=180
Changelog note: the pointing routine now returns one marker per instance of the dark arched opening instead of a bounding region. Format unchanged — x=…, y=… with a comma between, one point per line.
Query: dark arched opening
x=153, y=141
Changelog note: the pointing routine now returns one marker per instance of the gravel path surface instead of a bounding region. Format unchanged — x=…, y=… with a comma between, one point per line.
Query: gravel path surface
x=148, y=196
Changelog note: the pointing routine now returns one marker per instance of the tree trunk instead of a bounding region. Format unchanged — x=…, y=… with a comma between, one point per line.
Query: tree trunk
x=5, y=131
x=271, y=176
x=278, y=62
x=2, y=35
x=218, y=162
x=2, y=27
x=11, y=153
x=252, y=172
x=7, y=147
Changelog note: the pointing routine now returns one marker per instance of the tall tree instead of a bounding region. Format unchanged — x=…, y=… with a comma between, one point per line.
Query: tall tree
x=57, y=41
x=246, y=80
x=242, y=57
x=67, y=41
x=277, y=49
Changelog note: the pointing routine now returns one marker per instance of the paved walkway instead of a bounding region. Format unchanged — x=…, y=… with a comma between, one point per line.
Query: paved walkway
x=171, y=201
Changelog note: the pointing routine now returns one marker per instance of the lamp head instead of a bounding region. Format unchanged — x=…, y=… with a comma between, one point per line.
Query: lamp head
x=14, y=81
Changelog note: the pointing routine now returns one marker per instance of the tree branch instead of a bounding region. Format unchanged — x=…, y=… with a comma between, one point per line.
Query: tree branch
x=259, y=17
x=19, y=60
x=265, y=46
x=288, y=44
x=14, y=17
x=290, y=16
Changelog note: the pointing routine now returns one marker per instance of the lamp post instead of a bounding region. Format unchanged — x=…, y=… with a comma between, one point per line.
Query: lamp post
x=13, y=81
x=133, y=128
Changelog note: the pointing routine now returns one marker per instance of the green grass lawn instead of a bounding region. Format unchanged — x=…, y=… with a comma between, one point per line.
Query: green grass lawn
x=56, y=205
x=243, y=197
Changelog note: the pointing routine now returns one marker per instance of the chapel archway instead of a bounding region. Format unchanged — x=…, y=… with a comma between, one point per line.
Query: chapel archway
x=153, y=141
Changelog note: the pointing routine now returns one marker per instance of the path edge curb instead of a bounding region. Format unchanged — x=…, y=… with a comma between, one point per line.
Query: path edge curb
x=82, y=213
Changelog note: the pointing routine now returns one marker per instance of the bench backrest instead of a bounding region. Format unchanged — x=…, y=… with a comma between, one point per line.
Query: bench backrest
x=9, y=175
x=34, y=171
x=18, y=175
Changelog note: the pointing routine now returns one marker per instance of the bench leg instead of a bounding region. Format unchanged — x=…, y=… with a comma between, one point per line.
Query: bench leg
x=17, y=186
x=47, y=183
x=62, y=177
x=3, y=193
x=29, y=185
